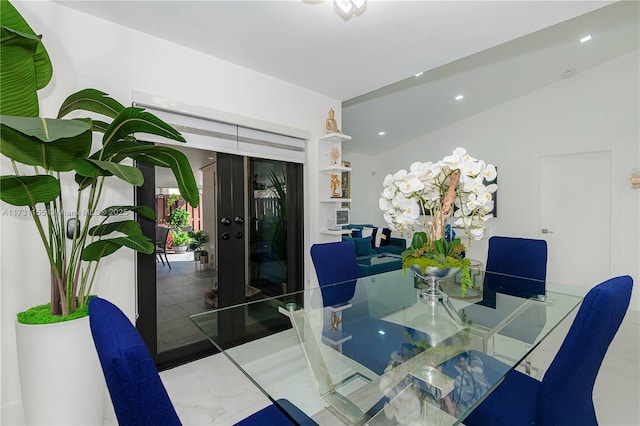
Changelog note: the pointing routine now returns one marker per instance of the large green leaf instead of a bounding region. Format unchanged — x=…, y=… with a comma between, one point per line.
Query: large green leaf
x=52, y=144
x=28, y=190
x=25, y=66
x=143, y=211
x=91, y=100
x=102, y=248
x=135, y=120
x=419, y=239
x=163, y=156
x=129, y=174
x=128, y=227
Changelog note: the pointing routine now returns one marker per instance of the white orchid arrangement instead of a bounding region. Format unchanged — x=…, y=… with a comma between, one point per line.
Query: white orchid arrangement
x=452, y=189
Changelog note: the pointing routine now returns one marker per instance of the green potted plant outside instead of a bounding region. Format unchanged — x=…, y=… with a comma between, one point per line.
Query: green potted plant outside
x=179, y=219
x=179, y=240
x=42, y=153
x=198, y=239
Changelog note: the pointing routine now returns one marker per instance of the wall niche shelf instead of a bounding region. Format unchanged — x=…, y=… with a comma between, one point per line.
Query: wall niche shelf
x=333, y=232
x=336, y=200
x=335, y=137
x=336, y=169
x=330, y=166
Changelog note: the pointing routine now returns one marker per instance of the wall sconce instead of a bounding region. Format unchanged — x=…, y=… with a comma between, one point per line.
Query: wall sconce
x=635, y=179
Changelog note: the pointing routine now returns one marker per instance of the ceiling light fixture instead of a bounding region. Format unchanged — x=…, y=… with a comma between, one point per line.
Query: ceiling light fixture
x=347, y=8
x=586, y=38
x=459, y=97
x=382, y=133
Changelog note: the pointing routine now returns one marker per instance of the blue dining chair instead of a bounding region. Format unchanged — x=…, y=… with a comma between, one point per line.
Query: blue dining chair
x=565, y=395
x=515, y=267
x=137, y=392
x=513, y=259
x=372, y=340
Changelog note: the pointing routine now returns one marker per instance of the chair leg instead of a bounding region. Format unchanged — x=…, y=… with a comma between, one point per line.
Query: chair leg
x=167, y=259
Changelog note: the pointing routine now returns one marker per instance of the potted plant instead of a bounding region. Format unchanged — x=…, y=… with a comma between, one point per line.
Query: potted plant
x=179, y=218
x=48, y=155
x=452, y=188
x=179, y=240
x=198, y=239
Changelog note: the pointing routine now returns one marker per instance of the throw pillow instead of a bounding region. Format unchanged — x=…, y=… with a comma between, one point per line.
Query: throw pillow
x=385, y=240
x=367, y=232
x=378, y=238
x=363, y=246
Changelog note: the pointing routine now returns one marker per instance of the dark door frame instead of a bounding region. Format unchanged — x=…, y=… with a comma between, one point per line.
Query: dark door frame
x=230, y=204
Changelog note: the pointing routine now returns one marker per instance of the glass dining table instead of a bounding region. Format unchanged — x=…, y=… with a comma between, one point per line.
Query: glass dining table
x=380, y=351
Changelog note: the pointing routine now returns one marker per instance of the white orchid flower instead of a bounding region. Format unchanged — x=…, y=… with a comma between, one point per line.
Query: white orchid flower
x=410, y=185
x=490, y=173
x=399, y=175
x=388, y=180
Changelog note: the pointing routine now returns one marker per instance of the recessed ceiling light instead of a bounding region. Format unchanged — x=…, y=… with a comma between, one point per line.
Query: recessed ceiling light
x=459, y=97
x=586, y=38
x=382, y=133
x=419, y=74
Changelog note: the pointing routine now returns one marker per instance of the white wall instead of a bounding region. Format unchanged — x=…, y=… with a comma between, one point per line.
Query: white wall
x=90, y=52
x=597, y=110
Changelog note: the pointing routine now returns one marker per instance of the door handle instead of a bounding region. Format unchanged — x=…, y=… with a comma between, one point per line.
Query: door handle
x=226, y=236
x=225, y=221
x=546, y=231
x=238, y=220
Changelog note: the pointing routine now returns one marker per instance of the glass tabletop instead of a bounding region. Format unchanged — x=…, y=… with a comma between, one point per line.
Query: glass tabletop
x=377, y=351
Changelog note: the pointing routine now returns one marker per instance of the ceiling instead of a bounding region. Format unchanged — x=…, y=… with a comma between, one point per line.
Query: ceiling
x=306, y=43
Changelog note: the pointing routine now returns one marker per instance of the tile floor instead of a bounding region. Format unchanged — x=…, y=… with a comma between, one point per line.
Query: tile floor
x=180, y=294
x=211, y=391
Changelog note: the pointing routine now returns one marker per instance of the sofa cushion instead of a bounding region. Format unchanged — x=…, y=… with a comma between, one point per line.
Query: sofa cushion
x=367, y=232
x=356, y=233
x=363, y=246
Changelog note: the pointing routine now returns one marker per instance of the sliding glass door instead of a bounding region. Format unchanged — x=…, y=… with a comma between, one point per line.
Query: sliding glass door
x=244, y=242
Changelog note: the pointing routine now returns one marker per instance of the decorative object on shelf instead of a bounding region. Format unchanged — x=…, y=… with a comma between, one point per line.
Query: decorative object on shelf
x=336, y=184
x=331, y=124
x=334, y=154
x=450, y=188
x=336, y=320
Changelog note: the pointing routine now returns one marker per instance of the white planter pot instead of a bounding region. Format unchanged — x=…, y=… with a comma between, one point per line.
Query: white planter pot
x=60, y=374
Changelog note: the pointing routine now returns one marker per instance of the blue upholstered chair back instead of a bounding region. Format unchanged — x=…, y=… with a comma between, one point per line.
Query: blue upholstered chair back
x=519, y=257
x=137, y=393
x=565, y=395
x=335, y=263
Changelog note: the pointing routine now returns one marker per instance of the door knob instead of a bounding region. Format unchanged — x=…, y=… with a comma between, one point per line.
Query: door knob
x=226, y=236
x=238, y=235
x=225, y=221
x=238, y=219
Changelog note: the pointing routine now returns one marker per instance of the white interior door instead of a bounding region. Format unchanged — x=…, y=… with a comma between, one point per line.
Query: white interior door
x=575, y=216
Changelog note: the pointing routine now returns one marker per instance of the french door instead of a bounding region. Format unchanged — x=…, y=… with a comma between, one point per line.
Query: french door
x=251, y=212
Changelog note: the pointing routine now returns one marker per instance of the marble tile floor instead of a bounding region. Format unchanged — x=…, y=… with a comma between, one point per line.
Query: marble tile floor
x=211, y=391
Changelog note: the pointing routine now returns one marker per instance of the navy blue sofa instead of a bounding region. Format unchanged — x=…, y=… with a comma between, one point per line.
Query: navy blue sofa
x=367, y=251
